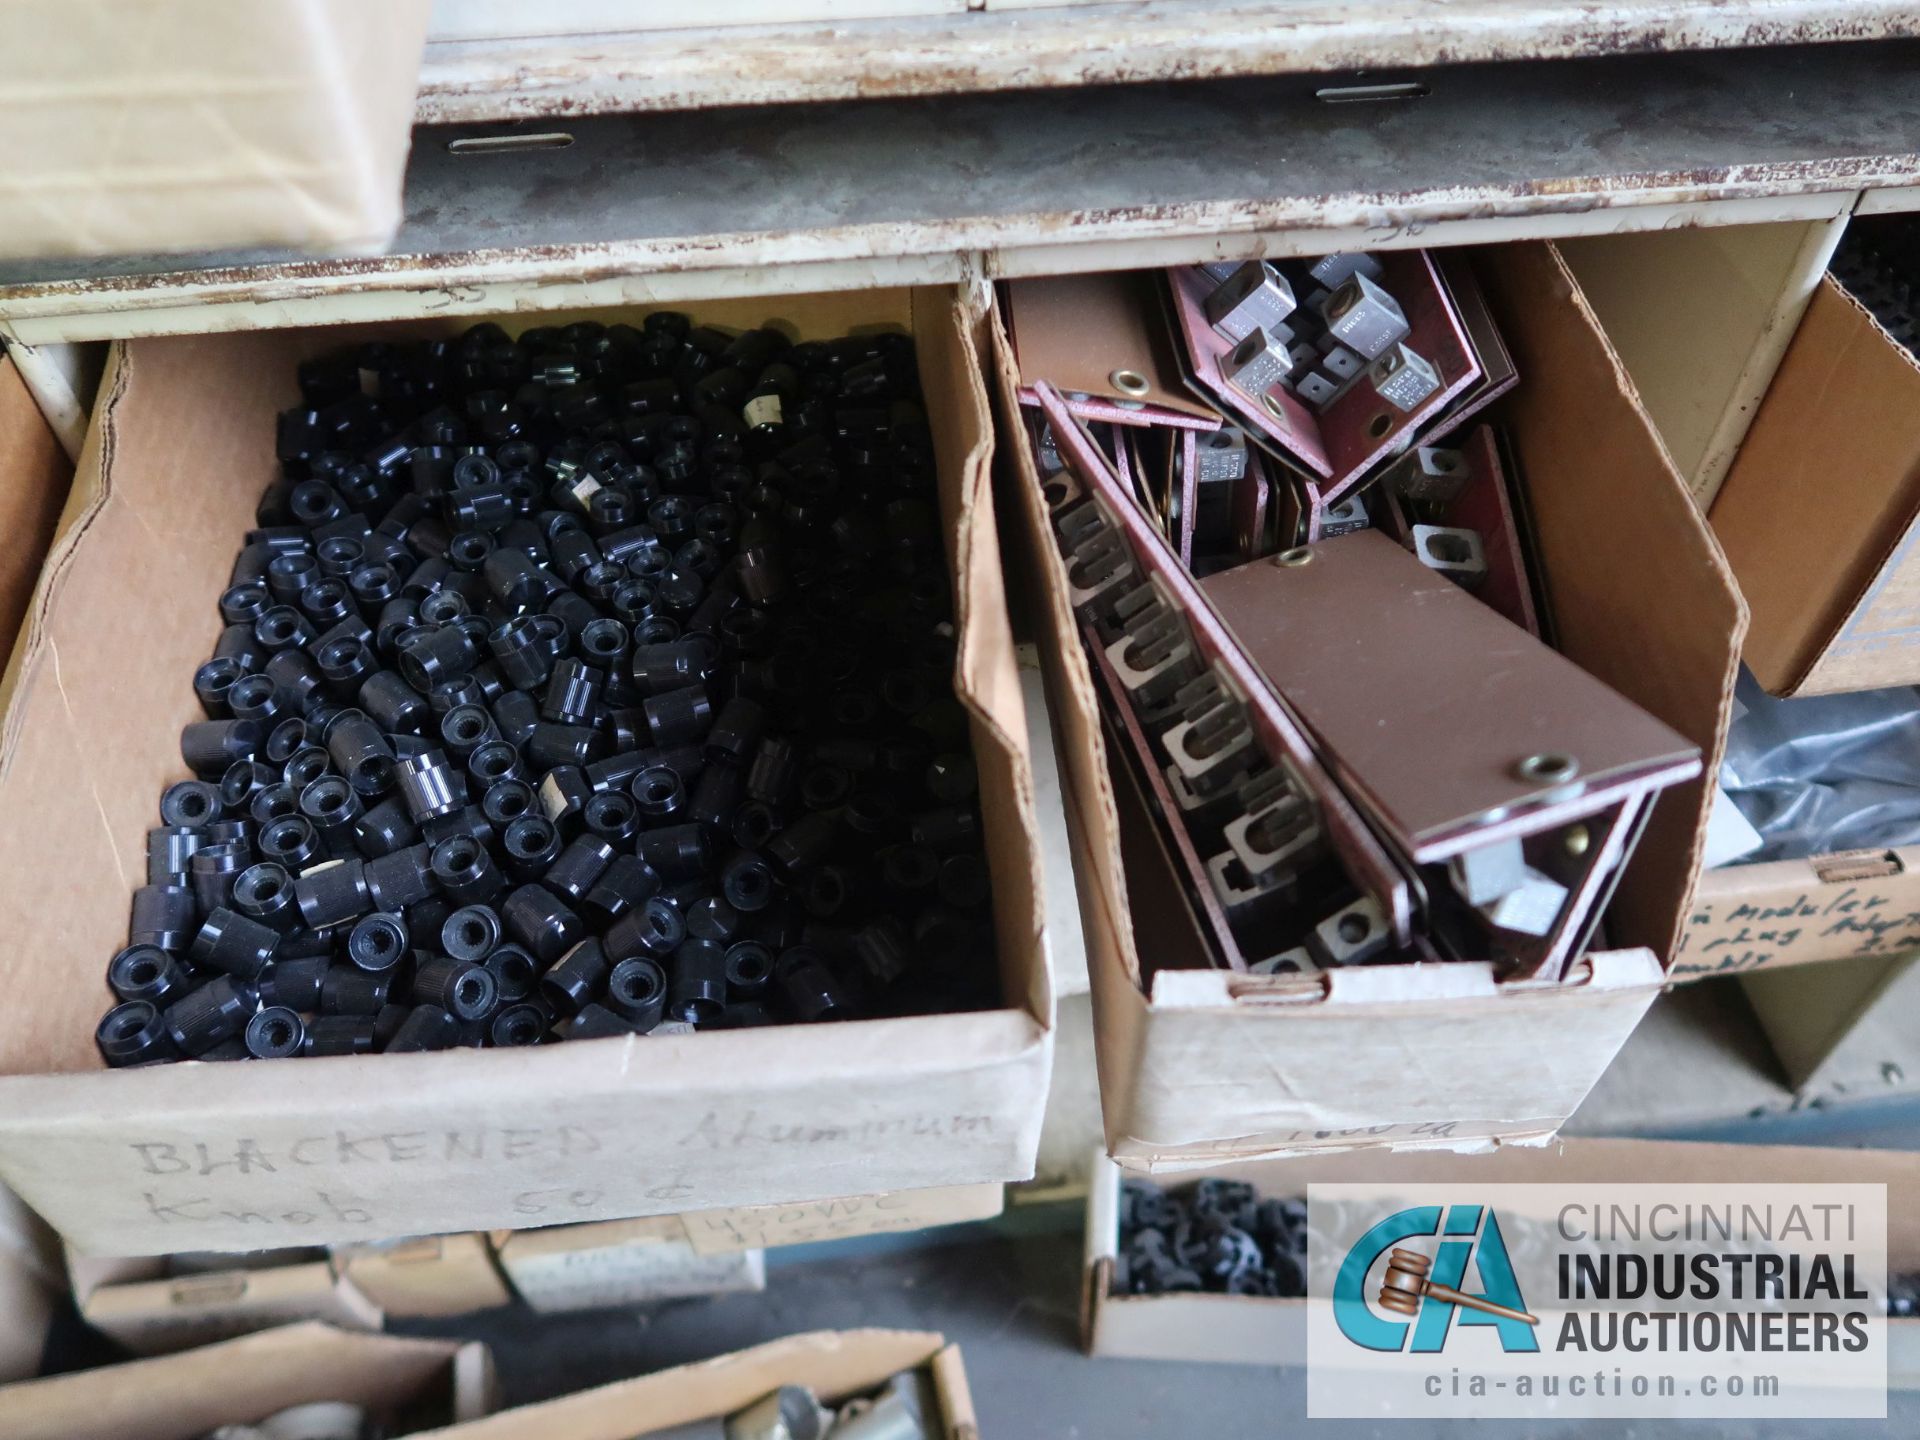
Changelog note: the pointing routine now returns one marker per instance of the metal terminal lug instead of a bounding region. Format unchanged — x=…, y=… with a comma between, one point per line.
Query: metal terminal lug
x=1365, y=318
x=1452, y=551
x=1256, y=364
x=1333, y=271
x=1318, y=390
x=1222, y=455
x=1432, y=475
x=1297, y=961
x=1403, y=378
x=1482, y=876
x=1340, y=363
x=1047, y=449
x=1255, y=297
x=1100, y=570
x=1211, y=750
x=1352, y=935
x=1345, y=518
x=1530, y=908
x=1279, y=833
x=1154, y=654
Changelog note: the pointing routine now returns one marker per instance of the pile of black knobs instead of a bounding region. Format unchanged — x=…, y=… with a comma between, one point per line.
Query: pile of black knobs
x=592, y=683
x=1219, y=1235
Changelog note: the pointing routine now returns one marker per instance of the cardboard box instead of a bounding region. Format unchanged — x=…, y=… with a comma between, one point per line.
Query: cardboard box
x=209, y=1156
x=1819, y=511
x=427, y=1275
x=1796, y=912
x=31, y=1285
x=1247, y=1330
x=137, y=1302
x=1842, y=1029
x=35, y=476
x=205, y=125
x=182, y=1397
x=835, y=1364
x=621, y=1262
x=1197, y=1064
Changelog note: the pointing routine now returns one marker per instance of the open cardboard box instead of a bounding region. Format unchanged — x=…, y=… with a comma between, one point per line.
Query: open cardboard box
x=1796, y=912
x=835, y=1364
x=428, y=1275
x=136, y=1302
x=35, y=476
x=1252, y=1330
x=1197, y=1064
x=237, y=1382
x=210, y=1156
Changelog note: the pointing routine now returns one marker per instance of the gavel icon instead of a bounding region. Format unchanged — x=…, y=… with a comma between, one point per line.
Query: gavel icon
x=1406, y=1281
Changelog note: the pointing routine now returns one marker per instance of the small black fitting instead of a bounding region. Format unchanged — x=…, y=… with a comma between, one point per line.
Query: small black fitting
x=572, y=693
x=170, y=850
x=516, y=974
x=400, y=880
x=291, y=841
x=580, y=864
x=678, y=852
x=190, y=803
x=465, y=872
x=679, y=717
x=146, y=972
x=552, y=746
x=348, y=990
x=233, y=944
x=217, y=1011
x=712, y=918
x=430, y=786
x=653, y=928
x=426, y=1027
x=133, y=1033
x=576, y=978
x=471, y=933
x=811, y=990
x=276, y=1033
x=433, y=654
x=339, y=1035
x=749, y=968
x=595, y=1021
x=518, y=1025
x=735, y=734
x=294, y=983
x=637, y=992
x=612, y=815
x=333, y=893
x=385, y=828
x=264, y=893
x=542, y=922
x=378, y=942
x=699, y=986
x=361, y=753
x=463, y=988
x=394, y=705
x=506, y=801
x=659, y=793
x=626, y=882
x=465, y=728
x=332, y=807
x=164, y=916
x=532, y=844
x=805, y=843
x=210, y=746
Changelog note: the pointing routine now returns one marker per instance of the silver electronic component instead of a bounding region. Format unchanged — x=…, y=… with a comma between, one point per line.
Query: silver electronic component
x=1453, y=551
x=1345, y=518
x=1336, y=269
x=1210, y=750
x=1341, y=363
x=1530, y=908
x=1482, y=876
x=1154, y=655
x=1432, y=475
x=1403, y=377
x=1222, y=455
x=1365, y=318
x=1220, y=271
x=1351, y=935
x=1297, y=961
x=1256, y=364
x=1318, y=390
x=1254, y=297
x=790, y=1413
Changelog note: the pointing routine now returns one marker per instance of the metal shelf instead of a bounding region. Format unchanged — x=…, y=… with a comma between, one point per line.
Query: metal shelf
x=999, y=48
x=685, y=206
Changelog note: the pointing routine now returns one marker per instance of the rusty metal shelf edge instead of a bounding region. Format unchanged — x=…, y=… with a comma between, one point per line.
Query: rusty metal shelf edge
x=467, y=81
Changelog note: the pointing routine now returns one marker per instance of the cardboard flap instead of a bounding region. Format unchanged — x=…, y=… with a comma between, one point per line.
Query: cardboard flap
x=181, y=1397
x=1608, y=503
x=1821, y=498
x=835, y=1363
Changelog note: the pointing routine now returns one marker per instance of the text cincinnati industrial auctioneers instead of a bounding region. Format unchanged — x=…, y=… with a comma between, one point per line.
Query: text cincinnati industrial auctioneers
x=1737, y=1255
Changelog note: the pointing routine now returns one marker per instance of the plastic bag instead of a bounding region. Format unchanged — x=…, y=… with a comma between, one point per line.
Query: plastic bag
x=1826, y=773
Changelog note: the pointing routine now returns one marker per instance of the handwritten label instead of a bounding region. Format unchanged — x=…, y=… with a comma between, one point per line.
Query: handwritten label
x=759, y=1227
x=1813, y=924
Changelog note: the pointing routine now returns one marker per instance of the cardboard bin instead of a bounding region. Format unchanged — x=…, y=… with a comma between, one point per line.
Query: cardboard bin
x=1778, y=913
x=238, y=1382
x=35, y=476
x=429, y=1275
x=1821, y=509
x=1251, y=1330
x=1198, y=1064
x=312, y=1151
x=204, y=125
x=835, y=1364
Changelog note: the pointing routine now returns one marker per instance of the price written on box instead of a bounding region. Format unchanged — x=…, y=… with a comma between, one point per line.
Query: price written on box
x=760, y=1227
